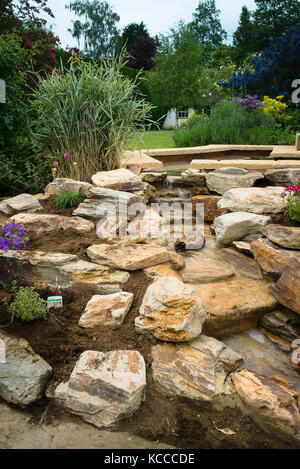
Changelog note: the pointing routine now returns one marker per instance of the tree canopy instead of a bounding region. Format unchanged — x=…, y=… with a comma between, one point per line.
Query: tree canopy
x=207, y=25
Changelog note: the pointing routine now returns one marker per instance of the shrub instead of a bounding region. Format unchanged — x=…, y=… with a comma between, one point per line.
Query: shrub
x=27, y=304
x=229, y=123
x=276, y=109
x=292, y=202
x=92, y=111
x=67, y=199
x=249, y=102
x=12, y=237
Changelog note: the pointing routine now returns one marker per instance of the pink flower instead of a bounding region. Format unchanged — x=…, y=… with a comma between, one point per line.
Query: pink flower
x=66, y=156
x=55, y=163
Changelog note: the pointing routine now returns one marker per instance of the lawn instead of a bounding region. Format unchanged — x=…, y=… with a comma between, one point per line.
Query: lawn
x=152, y=139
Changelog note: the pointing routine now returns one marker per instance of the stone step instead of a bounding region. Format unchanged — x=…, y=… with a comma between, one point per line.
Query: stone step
x=261, y=165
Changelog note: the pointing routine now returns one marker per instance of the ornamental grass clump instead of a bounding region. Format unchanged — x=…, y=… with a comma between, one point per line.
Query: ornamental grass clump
x=68, y=199
x=90, y=110
x=27, y=305
x=12, y=237
x=292, y=202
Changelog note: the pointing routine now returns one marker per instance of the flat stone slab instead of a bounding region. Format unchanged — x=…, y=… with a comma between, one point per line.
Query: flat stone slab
x=106, y=310
x=129, y=256
x=193, y=177
x=21, y=203
x=243, y=246
x=171, y=311
x=287, y=290
x=272, y=258
x=260, y=200
x=283, y=177
x=199, y=370
x=259, y=165
x=205, y=271
x=162, y=270
x=142, y=160
x=238, y=225
x=154, y=177
x=102, y=202
x=40, y=224
x=104, y=387
x=66, y=184
x=221, y=182
x=284, y=324
x=285, y=151
x=272, y=404
x=285, y=236
x=234, y=306
x=24, y=374
x=118, y=179
x=46, y=269
x=241, y=263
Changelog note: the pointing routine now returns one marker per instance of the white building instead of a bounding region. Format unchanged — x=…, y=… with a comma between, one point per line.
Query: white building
x=175, y=118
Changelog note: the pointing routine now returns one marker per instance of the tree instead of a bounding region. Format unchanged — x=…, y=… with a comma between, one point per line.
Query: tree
x=273, y=71
x=178, y=64
x=24, y=10
x=207, y=25
x=244, y=36
x=273, y=18
x=99, y=30
x=143, y=52
x=131, y=32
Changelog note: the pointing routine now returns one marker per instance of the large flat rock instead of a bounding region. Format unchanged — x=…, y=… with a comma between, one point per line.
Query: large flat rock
x=129, y=256
x=234, y=306
x=104, y=387
x=41, y=224
x=243, y=264
x=285, y=236
x=272, y=404
x=171, y=311
x=199, y=370
x=283, y=177
x=261, y=200
x=66, y=184
x=272, y=258
x=221, y=182
x=24, y=375
x=237, y=225
x=118, y=179
x=58, y=270
x=106, y=310
x=21, y=203
x=205, y=271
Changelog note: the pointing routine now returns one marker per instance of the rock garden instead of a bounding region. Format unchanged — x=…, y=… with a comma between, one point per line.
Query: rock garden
x=196, y=348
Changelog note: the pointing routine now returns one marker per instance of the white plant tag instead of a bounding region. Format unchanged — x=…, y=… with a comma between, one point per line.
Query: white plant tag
x=54, y=302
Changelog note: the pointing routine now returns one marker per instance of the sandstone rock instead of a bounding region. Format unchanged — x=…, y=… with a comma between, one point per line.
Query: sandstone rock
x=221, y=182
x=211, y=210
x=106, y=310
x=154, y=177
x=21, y=203
x=104, y=387
x=234, y=306
x=177, y=261
x=148, y=225
x=24, y=375
x=237, y=225
x=162, y=270
x=242, y=246
x=171, y=311
x=272, y=258
x=256, y=200
x=194, y=177
x=199, y=370
x=66, y=184
x=287, y=290
x=205, y=271
x=128, y=257
x=40, y=224
x=283, y=177
x=118, y=179
x=58, y=270
x=284, y=324
x=285, y=236
x=243, y=264
x=192, y=240
x=232, y=170
x=111, y=228
x=103, y=202
x=270, y=403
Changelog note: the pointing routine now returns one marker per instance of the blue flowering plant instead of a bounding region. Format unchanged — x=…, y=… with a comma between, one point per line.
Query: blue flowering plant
x=12, y=237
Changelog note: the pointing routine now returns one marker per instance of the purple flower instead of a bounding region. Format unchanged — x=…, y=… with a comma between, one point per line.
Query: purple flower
x=12, y=236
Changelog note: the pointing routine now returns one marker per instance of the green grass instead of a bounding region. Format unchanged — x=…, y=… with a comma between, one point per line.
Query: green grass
x=152, y=139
